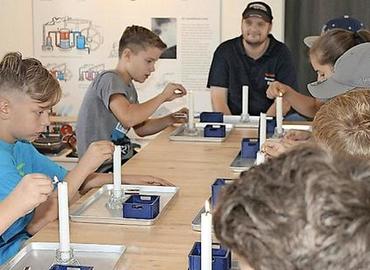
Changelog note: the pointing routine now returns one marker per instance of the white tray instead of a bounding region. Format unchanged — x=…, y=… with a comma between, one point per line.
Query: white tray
x=41, y=256
x=94, y=209
x=179, y=135
x=240, y=164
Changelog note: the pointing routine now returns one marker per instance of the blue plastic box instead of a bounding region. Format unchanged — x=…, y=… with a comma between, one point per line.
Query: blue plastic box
x=211, y=117
x=217, y=131
x=221, y=257
x=70, y=267
x=270, y=125
x=216, y=189
x=249, y=148
x=141, y=207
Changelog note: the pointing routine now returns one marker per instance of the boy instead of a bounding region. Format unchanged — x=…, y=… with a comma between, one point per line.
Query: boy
x=27, y=92
x=307, y=217
x=343, y=124
x=110, y=107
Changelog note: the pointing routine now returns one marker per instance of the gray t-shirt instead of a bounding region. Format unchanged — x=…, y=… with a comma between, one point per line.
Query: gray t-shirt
x=95, y=120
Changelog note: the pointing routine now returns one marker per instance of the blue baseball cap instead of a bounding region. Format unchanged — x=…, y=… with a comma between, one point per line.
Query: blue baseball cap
x=346, y=22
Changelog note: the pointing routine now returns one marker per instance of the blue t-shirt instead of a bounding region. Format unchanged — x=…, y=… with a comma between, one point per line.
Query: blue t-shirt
x=232, y=68
x=17, y=160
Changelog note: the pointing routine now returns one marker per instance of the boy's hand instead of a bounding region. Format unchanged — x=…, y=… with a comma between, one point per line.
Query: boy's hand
x=274, y=148
x=297, y=135
x=173, y=91
x=276, y=89
x=32, y=190
x=146, y=180
x=181, y=116
x=96, y=154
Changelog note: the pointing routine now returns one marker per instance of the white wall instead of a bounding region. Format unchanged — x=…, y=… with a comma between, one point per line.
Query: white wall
x=16, y=22
x=16, y=26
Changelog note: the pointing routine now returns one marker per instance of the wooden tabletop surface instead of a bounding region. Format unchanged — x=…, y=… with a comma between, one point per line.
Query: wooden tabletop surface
x=193, y=167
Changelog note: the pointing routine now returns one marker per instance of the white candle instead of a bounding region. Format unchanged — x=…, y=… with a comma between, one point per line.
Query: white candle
x=64, y=245
x=117, y=192
x=206, y=238
x=191, y=110
x=260, y=158
x=262, y=134
x=279, y=115
x=245, y=100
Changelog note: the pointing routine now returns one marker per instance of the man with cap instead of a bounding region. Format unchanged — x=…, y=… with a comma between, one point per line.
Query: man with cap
x=253, y=59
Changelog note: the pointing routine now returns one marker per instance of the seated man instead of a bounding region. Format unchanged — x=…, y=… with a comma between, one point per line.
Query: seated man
x=312, y=214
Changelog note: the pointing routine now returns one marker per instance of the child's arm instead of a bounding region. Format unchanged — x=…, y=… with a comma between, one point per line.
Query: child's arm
x=130, y=115
x=32, y=190
x=152, y=126
x=95, y=155
x=305, y=105
x=98, y=179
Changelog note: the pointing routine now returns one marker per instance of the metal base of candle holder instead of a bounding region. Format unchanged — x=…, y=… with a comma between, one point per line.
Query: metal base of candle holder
x=114, y=201
x=244, y=118
x=191, y=131
x=277, y=134
x=66, y=257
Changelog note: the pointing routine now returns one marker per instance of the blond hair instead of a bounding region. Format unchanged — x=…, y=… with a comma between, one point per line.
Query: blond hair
x=138, y=38
x=29, y=77
x=343, y=124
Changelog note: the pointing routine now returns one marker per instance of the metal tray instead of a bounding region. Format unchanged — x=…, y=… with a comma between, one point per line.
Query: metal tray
x=178, y=134
x=235, y=120
x=195, y=224
x=94, y=209
x=41, y=256
x=240, y=164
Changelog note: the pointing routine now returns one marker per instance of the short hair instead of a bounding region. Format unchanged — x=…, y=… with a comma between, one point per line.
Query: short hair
x=333, y=43
x=138, y=38
x=28, y=76
x=343, y=124
x=305, y=209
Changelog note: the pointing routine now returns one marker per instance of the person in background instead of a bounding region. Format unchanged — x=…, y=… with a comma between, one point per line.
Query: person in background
x=284, y=216
x=111, y=107
x=254, y=59
x=323, y=53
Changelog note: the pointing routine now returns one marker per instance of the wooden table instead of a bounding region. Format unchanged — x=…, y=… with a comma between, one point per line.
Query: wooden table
x=192, y=166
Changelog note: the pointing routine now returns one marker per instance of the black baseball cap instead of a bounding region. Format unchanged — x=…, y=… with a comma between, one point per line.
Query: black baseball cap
x=258, y=9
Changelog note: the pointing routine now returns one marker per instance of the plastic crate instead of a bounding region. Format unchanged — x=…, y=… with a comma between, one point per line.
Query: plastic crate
x=218, y=131
x=250, y=148
x=211, y=117
x=221, y=257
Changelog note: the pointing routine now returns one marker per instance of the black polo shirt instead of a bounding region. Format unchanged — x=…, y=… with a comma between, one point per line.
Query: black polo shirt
x=232, y=68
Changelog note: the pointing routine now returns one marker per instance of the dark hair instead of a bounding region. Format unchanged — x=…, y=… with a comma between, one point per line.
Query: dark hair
x=29, y=77
x=138, y=38
x=343, y=124
x=305, y=209
x=333, y=43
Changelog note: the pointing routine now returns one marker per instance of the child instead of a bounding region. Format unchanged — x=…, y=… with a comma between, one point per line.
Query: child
x=343, y=124
x=284, y=216
x=27, y=92
x=324, y=53
x=351, y=70
x=110, y=107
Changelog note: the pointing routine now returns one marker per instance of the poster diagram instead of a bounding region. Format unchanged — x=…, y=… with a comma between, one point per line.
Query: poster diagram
x=88, y=72
x=60, y=71
x=67, y=33
x=80, y=38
